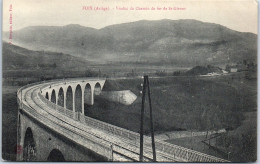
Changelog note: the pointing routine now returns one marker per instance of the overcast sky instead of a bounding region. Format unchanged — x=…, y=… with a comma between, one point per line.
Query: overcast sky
x=238, y=15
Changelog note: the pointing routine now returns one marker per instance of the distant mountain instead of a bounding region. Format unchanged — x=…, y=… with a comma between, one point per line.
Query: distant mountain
x=15, y=57
x=180, y=42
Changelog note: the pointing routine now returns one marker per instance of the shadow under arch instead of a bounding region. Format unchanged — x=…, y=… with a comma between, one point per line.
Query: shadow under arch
x=87, y=94
x=61, y=97
x=47, y=95
x=55, y=156
x=69, y=99
x=97, y=89
x=78, y=99
x=53, y=96
x=29, y=151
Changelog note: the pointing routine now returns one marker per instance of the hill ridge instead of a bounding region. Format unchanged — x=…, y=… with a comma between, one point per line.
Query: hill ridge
x=179, y=42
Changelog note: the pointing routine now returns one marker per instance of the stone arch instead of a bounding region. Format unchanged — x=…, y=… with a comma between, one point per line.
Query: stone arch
x=78, y=99
x=69, y=98
x=29, y=146
x=47, y=95
x=53, y=96
x=61, y=97
x=97, y=89
x=55, y=156
x=88, y=94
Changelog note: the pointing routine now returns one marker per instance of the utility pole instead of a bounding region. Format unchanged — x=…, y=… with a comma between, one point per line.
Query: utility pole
x=142, y=121
x=145, y=84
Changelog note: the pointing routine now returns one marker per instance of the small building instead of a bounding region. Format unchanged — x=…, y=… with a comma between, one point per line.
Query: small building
x=231, y=68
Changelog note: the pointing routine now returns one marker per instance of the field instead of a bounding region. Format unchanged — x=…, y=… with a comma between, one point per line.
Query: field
x=179, y=103
x=184, y=103
x=9, y=122
x=192, y=104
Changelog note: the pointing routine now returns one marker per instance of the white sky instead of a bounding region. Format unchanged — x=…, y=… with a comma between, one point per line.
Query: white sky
x=240, y=15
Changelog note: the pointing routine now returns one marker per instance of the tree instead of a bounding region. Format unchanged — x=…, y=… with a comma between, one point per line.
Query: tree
x=54, y=65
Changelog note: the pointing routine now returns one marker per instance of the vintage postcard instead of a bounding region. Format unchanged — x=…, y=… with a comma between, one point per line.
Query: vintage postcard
x=129, y=80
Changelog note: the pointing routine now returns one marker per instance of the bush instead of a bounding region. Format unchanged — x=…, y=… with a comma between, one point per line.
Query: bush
x=90, y=73
x=161, y=73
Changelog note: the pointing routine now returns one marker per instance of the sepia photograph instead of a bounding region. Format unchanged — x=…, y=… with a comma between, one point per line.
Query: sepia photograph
x=129, y=81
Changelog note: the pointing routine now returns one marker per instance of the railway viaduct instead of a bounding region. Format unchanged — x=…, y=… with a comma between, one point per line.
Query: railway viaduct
x=52, y=126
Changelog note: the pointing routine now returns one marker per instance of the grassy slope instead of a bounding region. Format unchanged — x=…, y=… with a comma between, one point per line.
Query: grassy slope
x=178, y=42
x=183, y=103
x=178, y=103
x=193, y=103
x=9, y=122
